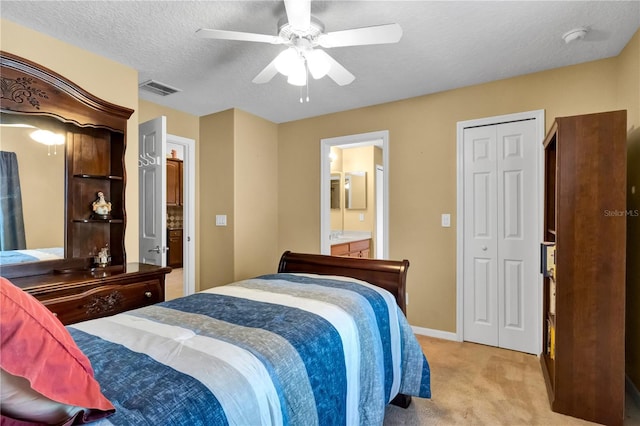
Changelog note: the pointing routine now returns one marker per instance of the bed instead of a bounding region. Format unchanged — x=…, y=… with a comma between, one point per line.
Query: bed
x=9, y=257
x=323, y=341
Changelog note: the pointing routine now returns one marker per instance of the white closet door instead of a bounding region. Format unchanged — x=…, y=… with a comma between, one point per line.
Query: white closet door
x=481, y=246
x=500, y=241
x=518, y=270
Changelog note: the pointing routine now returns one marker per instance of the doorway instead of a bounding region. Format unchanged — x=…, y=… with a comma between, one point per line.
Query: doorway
x=378, y=139
x=185, y=150
x=499, y=231
x=153, y=140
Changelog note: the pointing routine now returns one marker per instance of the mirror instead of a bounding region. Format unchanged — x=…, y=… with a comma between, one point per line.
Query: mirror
x=355, y=190
x=40, y=168
x=335, y=190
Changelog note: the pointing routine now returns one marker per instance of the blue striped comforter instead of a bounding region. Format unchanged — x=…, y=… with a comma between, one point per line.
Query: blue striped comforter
x=280, y=349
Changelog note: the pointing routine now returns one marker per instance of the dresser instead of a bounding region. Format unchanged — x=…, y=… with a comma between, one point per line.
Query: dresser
x=82, y=295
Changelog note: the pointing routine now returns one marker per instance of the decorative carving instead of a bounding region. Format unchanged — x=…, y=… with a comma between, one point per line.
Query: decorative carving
x=100, y=304
x=21, y=89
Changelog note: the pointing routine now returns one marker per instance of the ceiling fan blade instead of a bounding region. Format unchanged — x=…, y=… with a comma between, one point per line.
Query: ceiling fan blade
x=378, y=34
x=337, y=72
x=266, y=74
x=236, y=35
x=298, y=14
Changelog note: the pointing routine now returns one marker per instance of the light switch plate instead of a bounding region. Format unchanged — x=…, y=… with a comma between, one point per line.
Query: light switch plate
x=221, y=220
x=446, y=220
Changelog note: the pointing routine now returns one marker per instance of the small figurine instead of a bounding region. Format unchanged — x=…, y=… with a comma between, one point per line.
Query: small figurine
x=101, y=207
x=103, y=258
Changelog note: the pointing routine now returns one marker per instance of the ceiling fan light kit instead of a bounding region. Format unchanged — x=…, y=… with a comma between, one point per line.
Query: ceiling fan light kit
x=303, y=34
x=294, y=63
x=317, y=64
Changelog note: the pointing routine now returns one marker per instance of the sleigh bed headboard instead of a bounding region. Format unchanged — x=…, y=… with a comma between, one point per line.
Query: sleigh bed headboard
x=388, y=274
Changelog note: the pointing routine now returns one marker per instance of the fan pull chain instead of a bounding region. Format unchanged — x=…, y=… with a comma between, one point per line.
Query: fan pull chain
x=306, y=69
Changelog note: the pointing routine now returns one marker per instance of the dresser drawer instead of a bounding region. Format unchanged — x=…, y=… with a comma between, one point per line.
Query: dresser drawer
x=359, y=245
x=105, y=300
x=340, y=249
x=175, y=233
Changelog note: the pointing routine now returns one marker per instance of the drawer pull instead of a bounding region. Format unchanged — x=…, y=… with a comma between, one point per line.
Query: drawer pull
x=148, y=294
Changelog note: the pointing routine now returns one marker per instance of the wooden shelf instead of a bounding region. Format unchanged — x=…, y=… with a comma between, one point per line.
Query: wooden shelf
x=98, y=220
x=103, y=177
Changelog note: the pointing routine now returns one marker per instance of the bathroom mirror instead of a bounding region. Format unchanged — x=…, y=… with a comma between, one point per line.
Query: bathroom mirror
x=335, y=190
x=355, y=190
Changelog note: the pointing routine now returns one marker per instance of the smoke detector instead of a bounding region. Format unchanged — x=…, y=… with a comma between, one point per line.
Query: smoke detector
x=575, y=34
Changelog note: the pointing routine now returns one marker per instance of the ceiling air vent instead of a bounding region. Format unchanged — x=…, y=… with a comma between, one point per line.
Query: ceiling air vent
x=158, y=88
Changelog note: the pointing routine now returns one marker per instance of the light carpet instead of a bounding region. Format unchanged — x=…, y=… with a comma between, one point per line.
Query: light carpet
x=474, y=384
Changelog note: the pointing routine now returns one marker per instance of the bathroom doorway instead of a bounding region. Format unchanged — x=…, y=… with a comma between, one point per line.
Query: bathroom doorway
x=355, y=220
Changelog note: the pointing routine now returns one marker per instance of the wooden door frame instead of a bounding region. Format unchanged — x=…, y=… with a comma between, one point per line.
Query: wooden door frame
x=537, y=115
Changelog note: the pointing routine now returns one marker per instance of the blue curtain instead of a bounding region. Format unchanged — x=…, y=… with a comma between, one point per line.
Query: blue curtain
x=12, y=236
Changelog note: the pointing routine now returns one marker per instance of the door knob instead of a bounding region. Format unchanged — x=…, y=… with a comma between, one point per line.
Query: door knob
x=484, y=248
x=156, y=250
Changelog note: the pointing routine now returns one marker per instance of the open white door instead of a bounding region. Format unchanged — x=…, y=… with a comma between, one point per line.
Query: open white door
x=152, y=193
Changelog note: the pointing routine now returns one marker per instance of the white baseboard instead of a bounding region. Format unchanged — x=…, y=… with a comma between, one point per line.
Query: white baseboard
x=632, y=390
x=439, y=334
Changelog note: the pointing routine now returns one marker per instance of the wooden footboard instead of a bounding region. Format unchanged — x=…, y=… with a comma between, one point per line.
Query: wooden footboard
x=388, y=274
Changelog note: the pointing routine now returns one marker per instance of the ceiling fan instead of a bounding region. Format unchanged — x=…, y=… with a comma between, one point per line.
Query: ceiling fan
x=304, y=35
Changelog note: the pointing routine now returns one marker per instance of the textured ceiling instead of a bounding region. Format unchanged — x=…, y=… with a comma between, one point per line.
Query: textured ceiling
x=445, y=45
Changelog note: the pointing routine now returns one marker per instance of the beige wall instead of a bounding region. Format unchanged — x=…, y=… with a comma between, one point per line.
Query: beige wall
x=101, y=77
x=217, y=188
x=238, y=174
x=337, y=214
x=360, y=160
x=256, y=196
x=178, y=123
x=628, y=81
x=422, y=169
